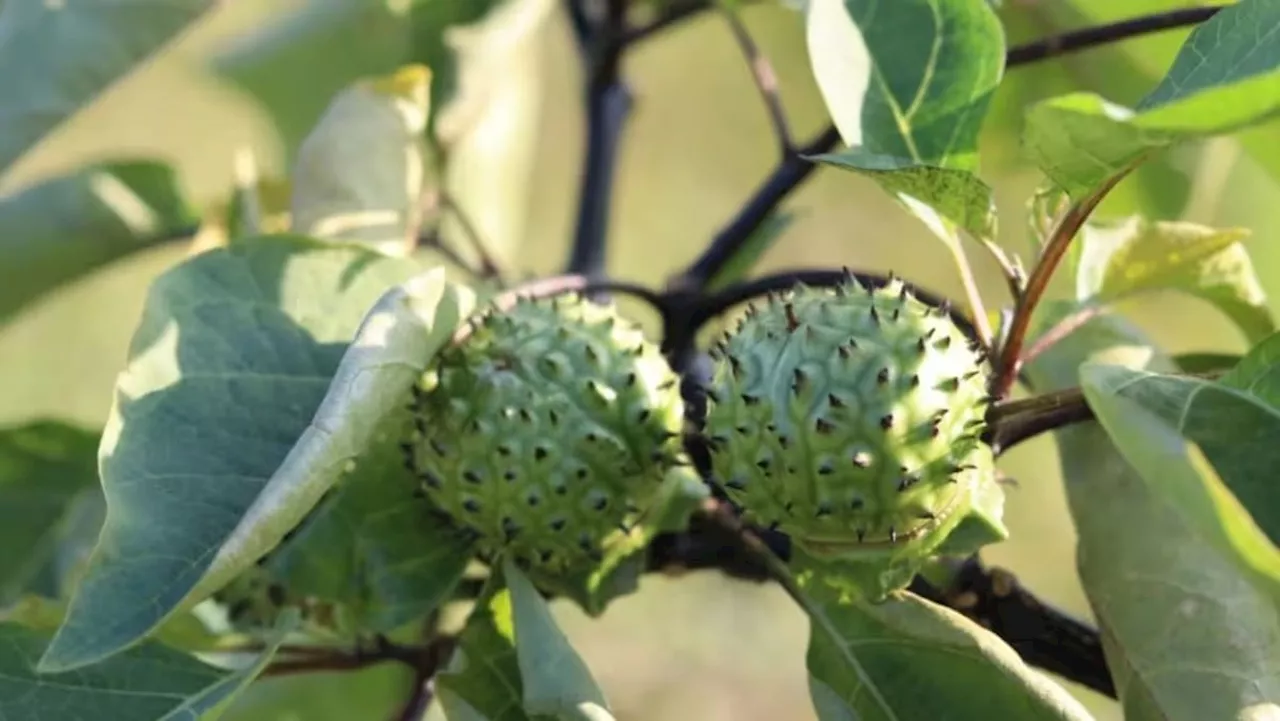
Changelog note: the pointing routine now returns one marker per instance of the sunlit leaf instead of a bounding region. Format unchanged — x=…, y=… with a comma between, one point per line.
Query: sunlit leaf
x=1134, y=255
x=56, y=57
x=1226, y=77
x=359, y=173
x=1148, y=416
x=556, y=681
x=63, y=228
x=147, y=682
x=1186, y=632
x=875, y=660
x=231, y=362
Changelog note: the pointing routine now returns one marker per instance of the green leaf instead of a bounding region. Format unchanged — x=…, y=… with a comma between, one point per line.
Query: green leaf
x=750, y=252
x=359, y=174
x=958, y=196
x=910, y=79
x=1257, y=372
x=45, y=467
x=1225, y=78
x=1134, y=255
x=147, y=682
x=374, y=547
x=352, y=434
x=232, y=360
x=1148, y=416
x=874, y=661
x=555, y=679
x=1205, y=362
x=377, y=692
x=1148, y=572
x=65, y=227
x=57, y=57
x=482, y=681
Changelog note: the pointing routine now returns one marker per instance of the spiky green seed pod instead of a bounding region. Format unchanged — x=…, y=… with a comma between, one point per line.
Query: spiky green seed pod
x=254, y=600
x=850, y=419
x=547, y=431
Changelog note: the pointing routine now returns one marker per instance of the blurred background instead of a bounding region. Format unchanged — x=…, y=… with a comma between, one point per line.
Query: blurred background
x=698, y=141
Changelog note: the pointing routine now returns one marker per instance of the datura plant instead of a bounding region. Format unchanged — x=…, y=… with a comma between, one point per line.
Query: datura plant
x=361, y=464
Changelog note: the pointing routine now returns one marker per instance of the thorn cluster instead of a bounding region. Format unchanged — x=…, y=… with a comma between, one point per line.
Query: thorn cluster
x=851, y=419
x=547, y=431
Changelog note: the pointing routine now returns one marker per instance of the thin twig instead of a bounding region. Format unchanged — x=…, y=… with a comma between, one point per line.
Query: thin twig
x=608, y=102
x=1091, y=37
x=784, y=179
x=794, y=169
x=489, y=267
x=977, y=308
x=1060, y=330
x=766, y=80
x=673, y=14
x=1009, y=364
x=1041, y=634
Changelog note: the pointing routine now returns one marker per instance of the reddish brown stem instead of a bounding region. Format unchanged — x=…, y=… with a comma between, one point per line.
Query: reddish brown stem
x=1011, y=358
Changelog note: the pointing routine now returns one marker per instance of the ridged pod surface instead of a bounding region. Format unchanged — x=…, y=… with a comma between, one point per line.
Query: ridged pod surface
x=850, y=419
x=547, y=431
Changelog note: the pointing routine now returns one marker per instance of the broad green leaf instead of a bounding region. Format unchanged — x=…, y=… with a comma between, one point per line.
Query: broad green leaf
x=185, y=631
x=62, y=228
x=909, y=79
x=750, y=252
x=1134, y=255
x=1186, y=634
x=377, y=692
x=1225, y=78
x=556, y=680
x=875, y=661
x=958, y=196
x=1150, y=417
x=482, y=680
x=45, y=467
x=147, y=682
x=56, y=57
x=374, y=547
x=1258, y=372
x=392, y=346
x=359, y=174
x=234, y=355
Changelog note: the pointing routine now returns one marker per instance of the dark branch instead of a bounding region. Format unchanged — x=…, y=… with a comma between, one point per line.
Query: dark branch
x=793, y=169
x=608, y=103
x=426, y=658
x=1012, y=422
x=1092, y=37
x=766, y=80
x=784, y=179
x=673, y=14
x=489, y=267
x=1042, y=635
